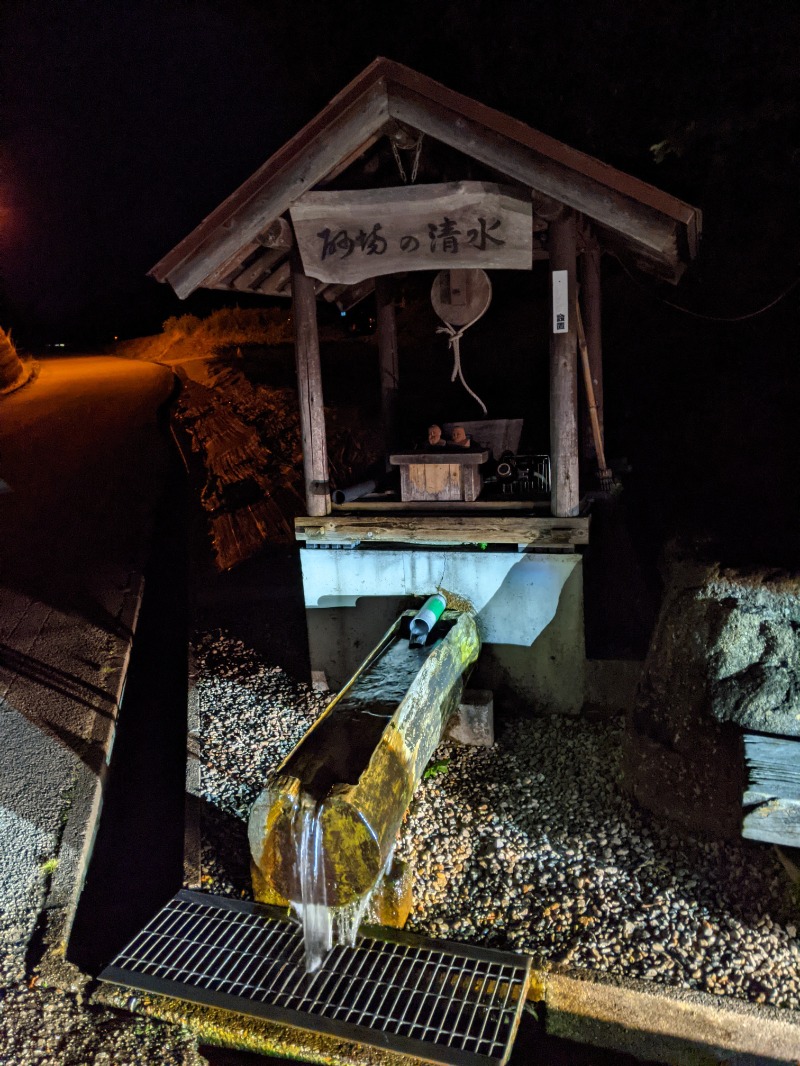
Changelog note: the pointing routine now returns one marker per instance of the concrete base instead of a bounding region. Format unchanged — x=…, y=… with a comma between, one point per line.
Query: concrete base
x=652, y=1021
x=63, y=792
x=473, y=722
x=529, y=609
x=221, y=1028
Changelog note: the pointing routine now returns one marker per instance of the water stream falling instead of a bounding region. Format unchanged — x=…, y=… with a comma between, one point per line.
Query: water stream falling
x=323, y=925
x=363, y=711
x=313, y=909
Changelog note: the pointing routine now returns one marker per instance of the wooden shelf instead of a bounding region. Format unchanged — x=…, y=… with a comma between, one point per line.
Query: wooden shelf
x=450, y=529
x=447, y=456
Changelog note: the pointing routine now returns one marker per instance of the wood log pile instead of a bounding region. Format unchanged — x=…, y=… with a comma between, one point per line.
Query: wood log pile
x=245, y=431
x=12, y=370
x=250, y=491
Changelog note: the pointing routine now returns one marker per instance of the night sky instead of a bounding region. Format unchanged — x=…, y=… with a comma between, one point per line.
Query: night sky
x=124, y=123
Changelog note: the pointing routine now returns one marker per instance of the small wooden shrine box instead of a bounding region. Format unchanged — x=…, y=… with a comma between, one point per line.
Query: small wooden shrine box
x=445, y=476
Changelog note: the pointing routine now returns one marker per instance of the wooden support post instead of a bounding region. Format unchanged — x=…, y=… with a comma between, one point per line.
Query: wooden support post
x=309, y=391
x=388, y=361
x=590, y=301
x=565, y=498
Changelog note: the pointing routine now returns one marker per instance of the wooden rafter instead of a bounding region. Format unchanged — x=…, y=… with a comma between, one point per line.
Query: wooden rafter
x=654, y=230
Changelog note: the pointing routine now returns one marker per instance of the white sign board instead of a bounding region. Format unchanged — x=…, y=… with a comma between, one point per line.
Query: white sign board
x=560, y=301
x=346, y=237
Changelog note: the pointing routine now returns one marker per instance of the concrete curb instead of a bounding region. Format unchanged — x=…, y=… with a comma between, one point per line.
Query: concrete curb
x=667, y=1024
x=192, y=846
x=81, y=815
x=241, y=1032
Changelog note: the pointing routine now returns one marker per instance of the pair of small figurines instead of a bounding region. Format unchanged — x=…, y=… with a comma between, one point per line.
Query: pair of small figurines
x=458, y=437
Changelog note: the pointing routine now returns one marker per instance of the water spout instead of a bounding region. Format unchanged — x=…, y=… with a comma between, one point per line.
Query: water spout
x=425, y=619
x=323, y=925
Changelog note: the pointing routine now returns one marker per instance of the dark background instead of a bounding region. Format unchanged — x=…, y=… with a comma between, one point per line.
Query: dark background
x=125, y=123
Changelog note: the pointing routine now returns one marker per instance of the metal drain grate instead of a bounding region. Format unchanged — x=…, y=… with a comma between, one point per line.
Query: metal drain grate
x=442, y=1002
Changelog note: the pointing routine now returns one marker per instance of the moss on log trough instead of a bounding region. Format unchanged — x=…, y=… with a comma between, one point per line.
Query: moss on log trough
x=361, y=762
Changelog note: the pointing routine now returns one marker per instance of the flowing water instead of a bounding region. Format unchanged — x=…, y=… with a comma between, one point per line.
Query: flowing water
x=323, y=926
x=313, y=909
x=363, y=713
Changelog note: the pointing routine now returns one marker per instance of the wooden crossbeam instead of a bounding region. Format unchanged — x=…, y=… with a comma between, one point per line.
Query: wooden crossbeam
x=258, y=270
x=542, y=532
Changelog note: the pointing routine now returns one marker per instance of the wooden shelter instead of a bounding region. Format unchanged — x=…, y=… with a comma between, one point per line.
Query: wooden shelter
x=338, y=209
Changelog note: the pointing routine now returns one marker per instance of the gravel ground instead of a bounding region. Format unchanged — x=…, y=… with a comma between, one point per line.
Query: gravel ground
x=45, y=1027
x=536, y=847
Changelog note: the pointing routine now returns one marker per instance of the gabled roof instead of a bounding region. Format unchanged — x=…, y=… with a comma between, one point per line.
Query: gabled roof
x=232, y=248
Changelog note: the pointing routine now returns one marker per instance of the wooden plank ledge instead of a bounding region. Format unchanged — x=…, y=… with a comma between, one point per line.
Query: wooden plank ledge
x=392, y=505
x=543, y=532
x=445, y=456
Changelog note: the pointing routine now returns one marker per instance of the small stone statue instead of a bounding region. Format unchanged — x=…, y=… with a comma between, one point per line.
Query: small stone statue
x=435, y=438
x=460, y=438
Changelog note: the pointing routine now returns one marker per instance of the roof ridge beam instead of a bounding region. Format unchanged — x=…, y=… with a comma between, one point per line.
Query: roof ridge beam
x=242, y=217
x=524, y=164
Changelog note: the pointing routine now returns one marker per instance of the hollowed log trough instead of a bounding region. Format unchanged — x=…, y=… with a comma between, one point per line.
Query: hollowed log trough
x=360, y=763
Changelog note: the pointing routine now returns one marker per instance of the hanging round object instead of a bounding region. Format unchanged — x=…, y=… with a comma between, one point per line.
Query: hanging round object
x=460, y=297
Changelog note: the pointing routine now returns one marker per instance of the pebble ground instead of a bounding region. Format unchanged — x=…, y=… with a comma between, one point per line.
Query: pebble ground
x=531, y=845
x=48, y=1027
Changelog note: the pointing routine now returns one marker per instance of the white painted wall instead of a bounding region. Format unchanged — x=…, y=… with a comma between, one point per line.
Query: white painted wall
x=529, y=609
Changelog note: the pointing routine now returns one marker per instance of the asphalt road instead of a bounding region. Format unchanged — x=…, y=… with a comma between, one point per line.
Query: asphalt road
x=79, y=450
x=85, y=452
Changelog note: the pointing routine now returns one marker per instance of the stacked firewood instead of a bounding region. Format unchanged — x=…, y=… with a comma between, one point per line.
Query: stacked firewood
x=12, y=371
x=247, y=437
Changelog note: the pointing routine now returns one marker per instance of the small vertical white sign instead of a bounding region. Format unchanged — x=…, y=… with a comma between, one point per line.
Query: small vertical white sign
x=560, y=301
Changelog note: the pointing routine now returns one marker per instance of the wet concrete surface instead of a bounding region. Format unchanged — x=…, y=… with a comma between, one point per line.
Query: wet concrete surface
x=532, y=1045
x=84, y=449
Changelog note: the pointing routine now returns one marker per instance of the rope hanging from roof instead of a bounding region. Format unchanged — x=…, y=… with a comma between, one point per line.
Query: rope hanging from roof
x=454, y=342
x=416, y=148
